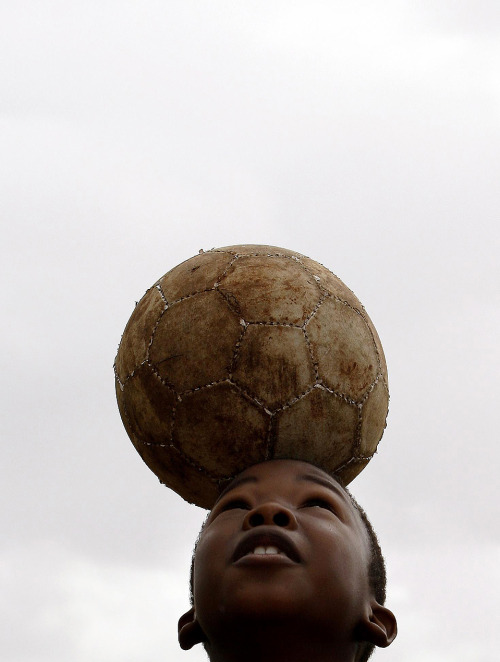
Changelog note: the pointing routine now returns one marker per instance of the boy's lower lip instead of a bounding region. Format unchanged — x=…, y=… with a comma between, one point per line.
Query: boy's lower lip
x=265, y=559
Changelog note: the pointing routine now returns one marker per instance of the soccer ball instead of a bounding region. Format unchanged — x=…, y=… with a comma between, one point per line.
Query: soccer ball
x=244, y=354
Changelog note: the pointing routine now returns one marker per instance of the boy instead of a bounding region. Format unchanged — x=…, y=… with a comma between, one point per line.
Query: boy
x=287, y=568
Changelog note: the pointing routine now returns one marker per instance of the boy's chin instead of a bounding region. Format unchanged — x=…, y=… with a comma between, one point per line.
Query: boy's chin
x=270, y=598
x=272, y=607
x=252, y=610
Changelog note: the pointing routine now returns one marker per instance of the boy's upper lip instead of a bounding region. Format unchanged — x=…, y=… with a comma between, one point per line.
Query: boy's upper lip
x=266, y=537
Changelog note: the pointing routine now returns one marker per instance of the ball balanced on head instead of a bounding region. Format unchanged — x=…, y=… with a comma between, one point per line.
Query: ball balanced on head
x=244, y=354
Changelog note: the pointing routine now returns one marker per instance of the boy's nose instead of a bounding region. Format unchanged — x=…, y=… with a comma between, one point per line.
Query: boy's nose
x=270, y=514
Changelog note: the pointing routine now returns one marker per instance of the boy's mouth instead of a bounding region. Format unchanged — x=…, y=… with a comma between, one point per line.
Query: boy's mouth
x=270, y=549
x=267, y=544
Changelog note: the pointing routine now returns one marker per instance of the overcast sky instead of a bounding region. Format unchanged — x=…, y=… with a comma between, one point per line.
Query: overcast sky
x=363, y=134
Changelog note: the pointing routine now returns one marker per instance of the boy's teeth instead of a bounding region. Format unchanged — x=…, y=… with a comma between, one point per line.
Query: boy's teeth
x=266, y=550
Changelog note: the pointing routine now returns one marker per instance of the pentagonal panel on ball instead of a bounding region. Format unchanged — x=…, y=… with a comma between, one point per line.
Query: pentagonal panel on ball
x=147, y=408
x=343, y=348
x=274, y=364
x=197, y=274
x=137, y=335
x=270, y=289
x=221, y=430
x=194, y=341
x=319, y=428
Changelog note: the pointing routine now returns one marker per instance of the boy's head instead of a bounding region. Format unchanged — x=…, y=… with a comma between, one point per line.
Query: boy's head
x=287, y=565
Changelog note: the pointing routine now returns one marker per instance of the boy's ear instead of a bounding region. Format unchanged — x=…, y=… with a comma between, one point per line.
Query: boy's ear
x=379, y=626
x=189, y=631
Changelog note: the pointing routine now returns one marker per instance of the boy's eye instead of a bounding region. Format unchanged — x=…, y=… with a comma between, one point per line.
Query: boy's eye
x=235, y=504
x=320, y=503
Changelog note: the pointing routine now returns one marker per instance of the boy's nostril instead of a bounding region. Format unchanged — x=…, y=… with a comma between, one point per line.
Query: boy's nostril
x=281, y=519
x=256, y=519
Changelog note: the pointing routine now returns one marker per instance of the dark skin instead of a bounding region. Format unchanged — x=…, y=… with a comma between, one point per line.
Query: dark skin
x=281, y=572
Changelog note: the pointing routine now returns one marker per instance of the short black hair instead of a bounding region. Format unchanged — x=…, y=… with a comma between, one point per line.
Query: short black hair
x=377, y=576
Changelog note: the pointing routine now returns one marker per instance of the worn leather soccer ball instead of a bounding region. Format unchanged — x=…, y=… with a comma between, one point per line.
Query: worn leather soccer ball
x=244, y=354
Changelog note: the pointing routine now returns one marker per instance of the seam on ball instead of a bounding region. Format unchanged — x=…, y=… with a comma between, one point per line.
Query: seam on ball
x=130, y=375
x=161, y=379
x=226, y=296
x=190, y=296
x=315, y=364
x=323, y=296
x=370, y=388
x=203, y=387
x=117, y=377
x=352, y=460
x=249, y=395
x=162, y=294
x=153, y=332
x=225, y=272
x=195, y=465
x=291, y=402
x=286, y=324
x=237, y=348
x=337, y=394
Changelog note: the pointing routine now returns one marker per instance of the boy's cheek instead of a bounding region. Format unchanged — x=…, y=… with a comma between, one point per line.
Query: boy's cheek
x=211, y=560
x=214, y=544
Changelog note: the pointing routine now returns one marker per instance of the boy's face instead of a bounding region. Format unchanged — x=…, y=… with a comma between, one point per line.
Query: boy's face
x=282, y=543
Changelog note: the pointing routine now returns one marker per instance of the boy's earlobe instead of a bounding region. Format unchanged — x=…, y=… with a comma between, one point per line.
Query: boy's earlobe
x=189, y=631
x=379, y=627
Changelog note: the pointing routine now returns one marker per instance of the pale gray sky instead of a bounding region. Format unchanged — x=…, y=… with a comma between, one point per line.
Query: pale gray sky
x=366, y=135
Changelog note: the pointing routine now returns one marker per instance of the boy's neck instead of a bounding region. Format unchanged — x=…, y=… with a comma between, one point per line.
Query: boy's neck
x=280, y=644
